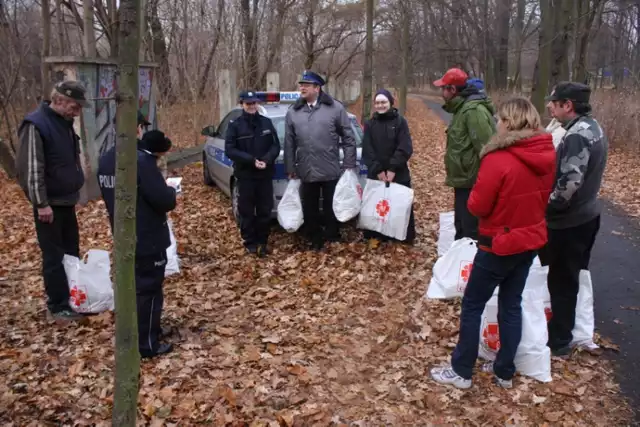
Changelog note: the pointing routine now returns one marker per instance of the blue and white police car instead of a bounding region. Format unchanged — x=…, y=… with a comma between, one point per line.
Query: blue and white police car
x=218, y=168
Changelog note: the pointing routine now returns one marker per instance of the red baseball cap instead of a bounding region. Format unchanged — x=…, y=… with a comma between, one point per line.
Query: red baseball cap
x=453, y=77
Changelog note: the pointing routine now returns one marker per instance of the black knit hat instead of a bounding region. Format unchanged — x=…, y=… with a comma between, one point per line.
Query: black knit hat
x=155, y=141
x=386, y=93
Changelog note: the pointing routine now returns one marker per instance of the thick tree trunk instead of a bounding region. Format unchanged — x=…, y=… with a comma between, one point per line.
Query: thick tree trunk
x=46, y=48
x=405, y=47
x=563, y=13
x=542, y=73
x=127, y=355
x=502, y=58
x=367, y=75
x=89, y=35
x=519, y=31
x=160, y=53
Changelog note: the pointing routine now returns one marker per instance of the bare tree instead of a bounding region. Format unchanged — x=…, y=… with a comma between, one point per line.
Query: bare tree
x=367, y=81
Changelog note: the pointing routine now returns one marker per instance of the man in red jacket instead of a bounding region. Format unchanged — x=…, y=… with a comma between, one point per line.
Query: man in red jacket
x=515, y=178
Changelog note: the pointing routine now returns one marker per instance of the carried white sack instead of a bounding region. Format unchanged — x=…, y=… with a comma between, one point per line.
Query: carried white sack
x=585, y=320
x=347, y=198
x=386, y=209
x=290, y=215
x=173, y=262
x=451, y=271
x=446, y=233
x=90, y=288
x=533, y=357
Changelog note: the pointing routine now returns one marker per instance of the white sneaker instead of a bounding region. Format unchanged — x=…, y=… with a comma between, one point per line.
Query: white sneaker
x=488, y=368
x=446, y=375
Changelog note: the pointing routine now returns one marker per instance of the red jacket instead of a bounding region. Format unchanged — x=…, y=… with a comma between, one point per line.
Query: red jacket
x=510, y=196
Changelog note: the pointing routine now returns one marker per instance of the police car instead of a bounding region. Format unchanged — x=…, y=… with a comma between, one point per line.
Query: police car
x=218, y=168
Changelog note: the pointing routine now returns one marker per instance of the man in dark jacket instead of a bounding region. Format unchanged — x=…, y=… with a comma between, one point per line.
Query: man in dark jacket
x=253, y=145
x=386, y=149
x=317, y=127
x=471, y=127
x=50, y=173
x=573, y=214
x=155, y=199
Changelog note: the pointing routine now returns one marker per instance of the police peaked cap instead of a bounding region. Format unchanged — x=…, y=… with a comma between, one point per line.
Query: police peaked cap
x=311, y=77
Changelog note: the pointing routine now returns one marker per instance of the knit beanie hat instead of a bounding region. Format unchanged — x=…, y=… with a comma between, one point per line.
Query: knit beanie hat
x=386, y=94
x=155, y=141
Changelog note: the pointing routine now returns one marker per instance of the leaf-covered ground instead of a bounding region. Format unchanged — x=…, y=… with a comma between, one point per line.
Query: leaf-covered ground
x=300, y=338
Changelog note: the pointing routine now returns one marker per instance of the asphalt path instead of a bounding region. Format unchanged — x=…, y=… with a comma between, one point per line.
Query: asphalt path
x=615, y=271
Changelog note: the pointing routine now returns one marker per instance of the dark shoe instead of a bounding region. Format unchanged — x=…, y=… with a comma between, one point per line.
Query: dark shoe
x=562, y=352
x=252, y=249
x=65, y=315
x=162, y=349
x=334, y=239
x=317, y=246
x=166, y=331
x=262, y=251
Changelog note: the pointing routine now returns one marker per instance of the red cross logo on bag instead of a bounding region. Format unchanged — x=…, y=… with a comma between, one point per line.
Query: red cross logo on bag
x=383, y=208
x=78, y=297
x=491, y=336
x=548, y=313
x=465, y=273
x=359, y=188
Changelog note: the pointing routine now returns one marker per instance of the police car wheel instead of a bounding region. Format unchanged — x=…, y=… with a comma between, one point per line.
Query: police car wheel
x=234, y=202
x=205, y=171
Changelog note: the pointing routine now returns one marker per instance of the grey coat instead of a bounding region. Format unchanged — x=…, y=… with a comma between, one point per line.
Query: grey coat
x=312, y=140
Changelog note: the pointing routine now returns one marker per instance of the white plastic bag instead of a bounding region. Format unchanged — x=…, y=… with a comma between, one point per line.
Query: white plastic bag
x=533, y=357
x=290, y=214
x=386, y=209
x=347, y=199
x=173, y=262
x=89, y=281
x=451, y=271
x=585, y=320
x=446, y=233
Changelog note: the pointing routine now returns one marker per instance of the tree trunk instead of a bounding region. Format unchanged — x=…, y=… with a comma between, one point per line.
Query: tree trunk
x=542, y=73
x=60, y=27
x=127, y=356
x=502, y=57
x=563, y=12
x=46, y=48
x=89, y=34
x=160, y=53
x=519, y=31
x=212, y=51
x=404, y=46
x=115, y=23
x=367, y=75
x=586, y=12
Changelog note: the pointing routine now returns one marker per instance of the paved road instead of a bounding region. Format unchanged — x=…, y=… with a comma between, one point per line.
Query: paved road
x=615, y=270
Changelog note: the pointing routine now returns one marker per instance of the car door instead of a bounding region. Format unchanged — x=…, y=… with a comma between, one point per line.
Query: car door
x=223, y=166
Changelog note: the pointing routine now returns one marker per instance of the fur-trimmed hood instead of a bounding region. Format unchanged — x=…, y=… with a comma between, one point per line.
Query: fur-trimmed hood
x=323, y=98
x=534, y=148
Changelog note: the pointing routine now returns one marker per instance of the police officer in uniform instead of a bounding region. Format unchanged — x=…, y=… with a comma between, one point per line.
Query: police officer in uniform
x=155, y=199
x=253, y=145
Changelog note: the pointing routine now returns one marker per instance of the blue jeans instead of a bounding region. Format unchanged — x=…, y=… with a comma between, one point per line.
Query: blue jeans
x=489, y=270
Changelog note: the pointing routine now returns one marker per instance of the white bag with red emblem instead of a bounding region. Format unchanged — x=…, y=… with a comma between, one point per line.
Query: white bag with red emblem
x=446, y=233
x=386, y=208
x=347, y=198
x=290, y=215
x=451, y=271
x=533, y=357
x=585, y=320
x=89, y=282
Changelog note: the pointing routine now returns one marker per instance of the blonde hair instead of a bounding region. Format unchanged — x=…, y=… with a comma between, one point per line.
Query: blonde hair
x=518, y=114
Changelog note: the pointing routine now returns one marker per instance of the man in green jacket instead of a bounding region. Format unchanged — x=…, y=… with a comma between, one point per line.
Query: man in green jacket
x=471, y=127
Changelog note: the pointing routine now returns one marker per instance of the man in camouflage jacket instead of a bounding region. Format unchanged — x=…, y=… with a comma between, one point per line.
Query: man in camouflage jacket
x=573, y=213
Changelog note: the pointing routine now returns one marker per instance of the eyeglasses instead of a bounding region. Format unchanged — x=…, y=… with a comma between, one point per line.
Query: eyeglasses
x=250, y=103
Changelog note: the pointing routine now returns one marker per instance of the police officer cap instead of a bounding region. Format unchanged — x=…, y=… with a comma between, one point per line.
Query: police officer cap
x=311, y=77
x=570, y=91
x=155, y=141
x=248, y=96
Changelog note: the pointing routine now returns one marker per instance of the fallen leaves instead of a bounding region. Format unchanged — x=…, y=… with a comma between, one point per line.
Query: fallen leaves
x=296, y=339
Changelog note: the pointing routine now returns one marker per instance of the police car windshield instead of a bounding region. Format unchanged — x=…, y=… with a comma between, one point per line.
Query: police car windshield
x=278, y=123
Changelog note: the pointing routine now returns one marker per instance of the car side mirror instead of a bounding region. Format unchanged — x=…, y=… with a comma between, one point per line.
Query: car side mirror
x=209, y=131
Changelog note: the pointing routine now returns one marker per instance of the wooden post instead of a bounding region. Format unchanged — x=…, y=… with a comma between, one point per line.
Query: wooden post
x=273, y=81
x=227, y=92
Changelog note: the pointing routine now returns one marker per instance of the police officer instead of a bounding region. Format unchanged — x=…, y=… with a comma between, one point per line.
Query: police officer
x=253, y=145
x=315, y=126
x=155, y=199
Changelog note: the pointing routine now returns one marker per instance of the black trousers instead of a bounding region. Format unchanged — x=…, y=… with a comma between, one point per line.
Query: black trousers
x=411, y=228
x=465, y=223
x=313, y=220
x=149, y=271
x=255, y=203
x=567, y=252
x=57, y=239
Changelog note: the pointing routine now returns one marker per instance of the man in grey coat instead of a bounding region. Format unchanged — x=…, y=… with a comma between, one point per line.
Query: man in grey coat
x=317, y=126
